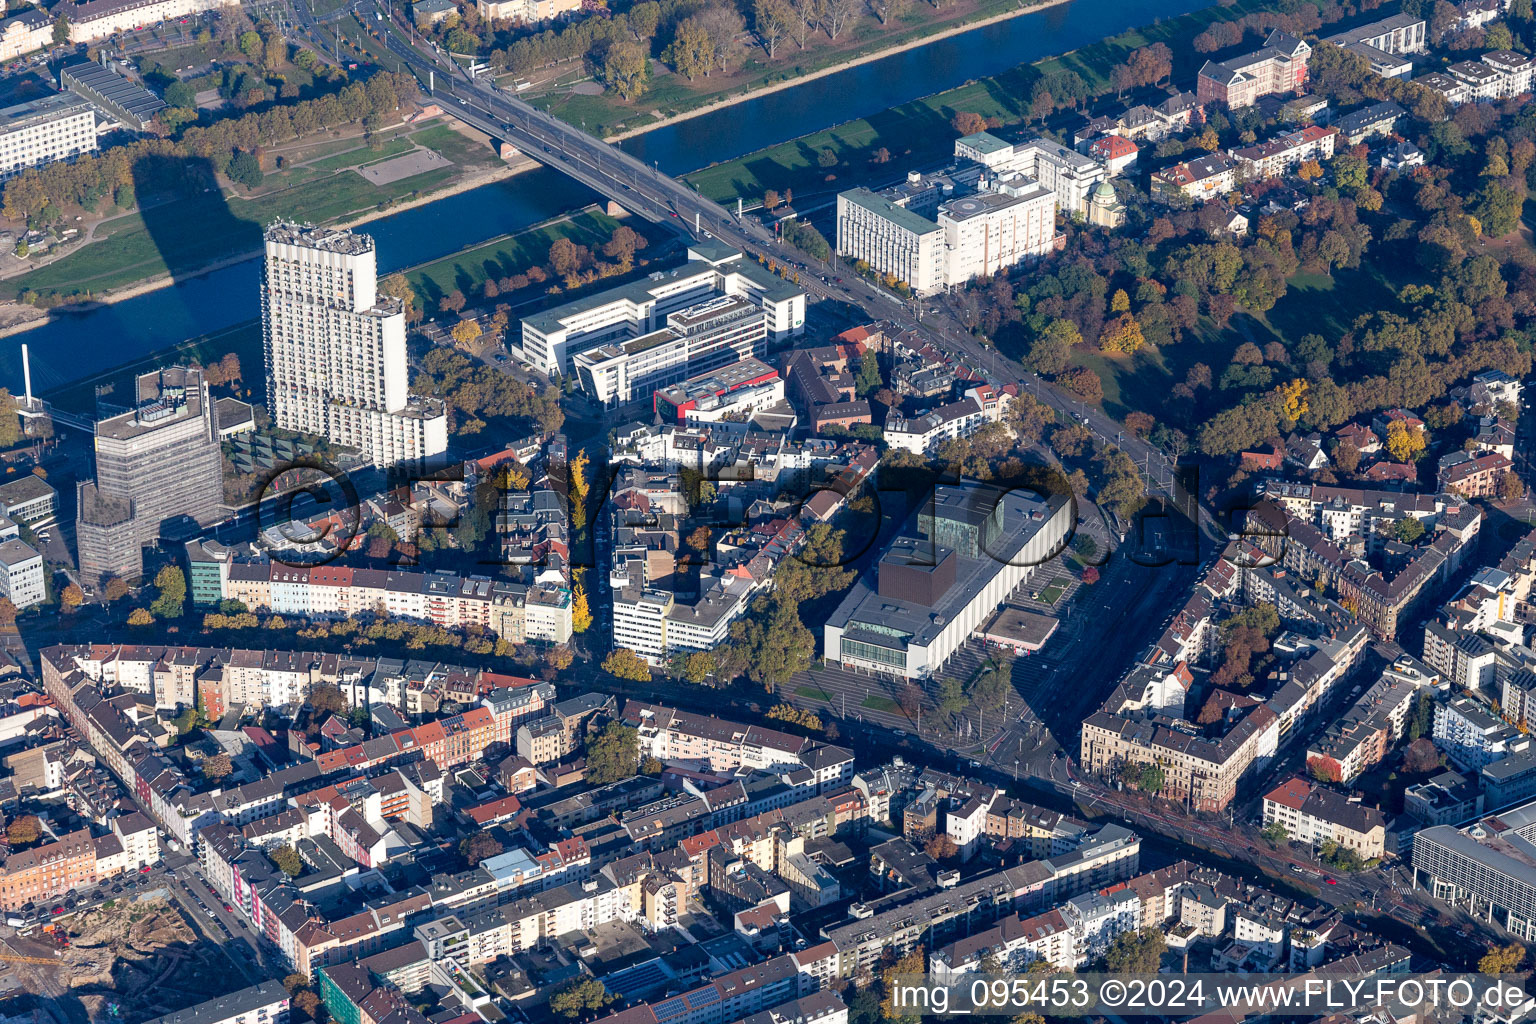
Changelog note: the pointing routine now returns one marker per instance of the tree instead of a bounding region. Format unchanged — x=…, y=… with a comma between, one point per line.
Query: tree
x=1502, y=959
x=60, y=30
x=1051, y=351
x=465, y=334
x=478, y=847
x=626, y=69
x=1325, y=769
x=71, y=597
x=1511, y=487
x=690, y=53
x=966, y=122
x=114, y=589
x=837, y=14
x=1404, y=443
x=217, y=767
x=10, y=422
x=171, y=592
x=612, y=754
x=327, y=697
x=139, y=617
x=580, y=997
x=1409, y=530
x=1136, y=952
x=773, y=20
x=624, y=663
x=771, y=644
x=1122, y=334
x=1275, y=833
x=24, y=830
x=287, y=860
x=180, y=94
x=941, y=847
x=1421, y=756
x=397, y=287
x=244, y=169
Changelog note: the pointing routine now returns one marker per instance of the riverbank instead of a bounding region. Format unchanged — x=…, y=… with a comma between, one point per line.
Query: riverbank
x=956, y=29
x=478, y=178
x=918, y=133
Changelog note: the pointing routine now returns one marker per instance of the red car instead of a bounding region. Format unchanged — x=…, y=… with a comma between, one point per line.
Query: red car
x=1332, y=881
x=57, y=911
x=146, y=869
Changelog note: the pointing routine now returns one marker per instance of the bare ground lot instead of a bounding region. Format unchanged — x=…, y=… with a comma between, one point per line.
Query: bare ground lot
x=128, y=961
x=418, y=161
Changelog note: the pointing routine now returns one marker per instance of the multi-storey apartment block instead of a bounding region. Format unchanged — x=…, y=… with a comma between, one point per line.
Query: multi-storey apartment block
x=335, y=349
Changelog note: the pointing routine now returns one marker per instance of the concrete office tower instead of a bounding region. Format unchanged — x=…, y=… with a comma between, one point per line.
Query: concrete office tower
x=335, y=349
x=158, y=463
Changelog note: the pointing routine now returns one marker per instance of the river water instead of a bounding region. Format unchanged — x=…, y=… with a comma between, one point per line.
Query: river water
x=73, y=346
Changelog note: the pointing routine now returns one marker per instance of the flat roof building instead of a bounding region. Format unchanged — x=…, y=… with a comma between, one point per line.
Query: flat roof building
x=639, y=310
x=923, y=599
x=41, y=131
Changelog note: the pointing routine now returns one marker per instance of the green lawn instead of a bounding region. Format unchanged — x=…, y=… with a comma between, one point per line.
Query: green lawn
x=502, y=257
x=203, y=229
x=918, y=132
x=363, y=155
x=812, y=693
x=875, y=702
x=1051, y=594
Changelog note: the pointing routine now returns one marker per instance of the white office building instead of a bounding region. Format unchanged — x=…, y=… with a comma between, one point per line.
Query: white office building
x=38, y=132
x=91, y=20
x=553, y=338
x=335, y=349
x=712, y=334
x=1008, y=219
x=21, y=574
x=1066, y=172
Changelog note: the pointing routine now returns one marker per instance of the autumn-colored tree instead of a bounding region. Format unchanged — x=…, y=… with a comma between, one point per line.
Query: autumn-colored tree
x=114, y=589
x=24, y=830
x=1405, y=442
x=71, y=597
x=1502, y=959
x=966, y=122
x=624, y=663
x=140, y=617
x=581, y=611
x=1123, y=334
x=772, y=200
x=478, y=847
x=941, y=847
x=1325, y=769
x=217, y=767
x=1310, y=170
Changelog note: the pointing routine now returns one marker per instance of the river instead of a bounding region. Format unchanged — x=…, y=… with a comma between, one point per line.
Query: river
x=766, y=120
x=73, y=346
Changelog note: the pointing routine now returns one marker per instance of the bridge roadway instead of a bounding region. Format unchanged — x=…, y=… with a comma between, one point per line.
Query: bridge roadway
x=658, y=197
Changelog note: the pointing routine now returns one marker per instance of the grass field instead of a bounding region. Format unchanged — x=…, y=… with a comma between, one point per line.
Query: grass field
x=875, y=702
x=1051, y=594
x=193, y=232
x=812, y=693
x=505, y=256
x=361, y=156
x=919, y=132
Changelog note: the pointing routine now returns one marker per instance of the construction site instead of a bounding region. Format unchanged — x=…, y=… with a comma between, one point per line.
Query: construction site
x=127, y=960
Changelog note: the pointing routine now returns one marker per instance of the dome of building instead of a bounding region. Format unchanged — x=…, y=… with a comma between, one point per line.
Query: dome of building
x=1104, y=192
